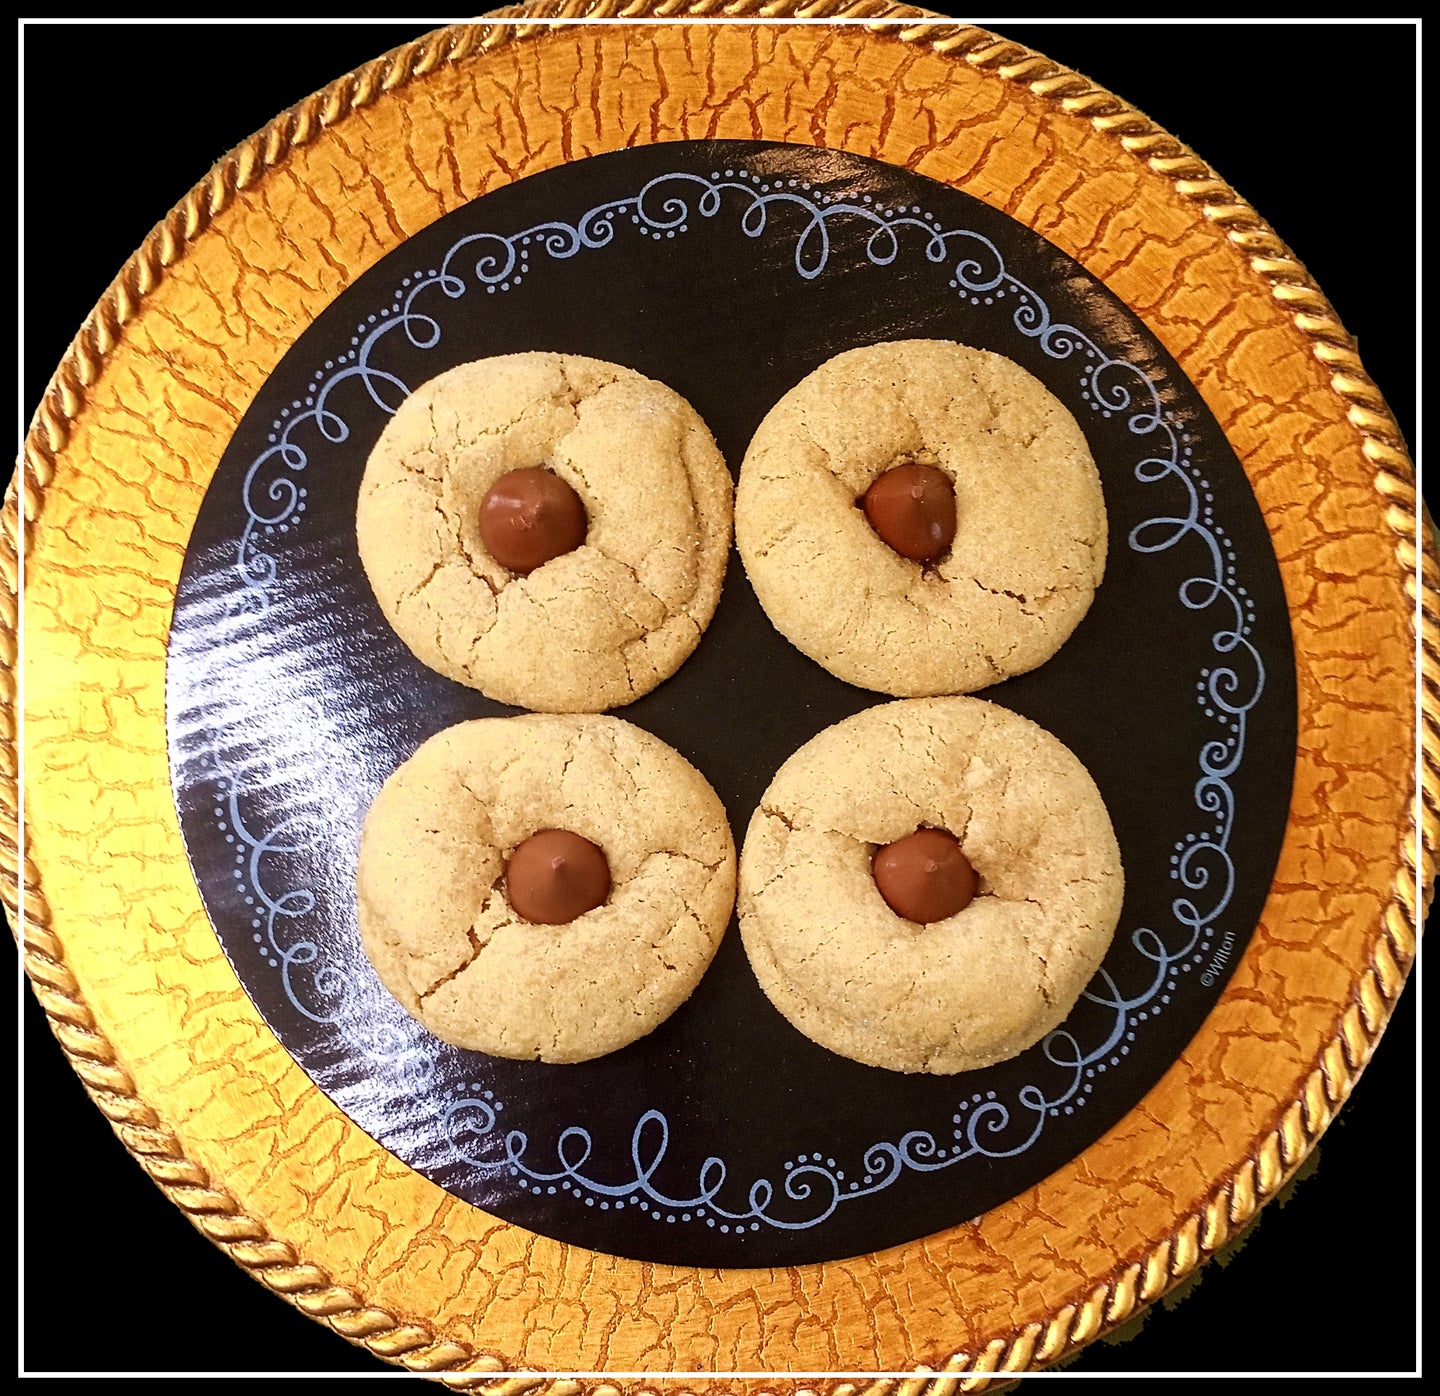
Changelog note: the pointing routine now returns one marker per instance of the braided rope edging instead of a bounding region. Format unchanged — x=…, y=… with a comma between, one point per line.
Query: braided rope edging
x=1235, y=1201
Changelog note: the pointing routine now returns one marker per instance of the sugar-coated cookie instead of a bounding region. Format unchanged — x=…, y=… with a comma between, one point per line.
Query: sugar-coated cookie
x=1029, y=520
x=436, y=918
x=956, y=994
x=595, y=626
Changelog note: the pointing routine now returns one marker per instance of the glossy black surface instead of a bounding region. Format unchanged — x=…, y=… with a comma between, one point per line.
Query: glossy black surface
x=292, y=701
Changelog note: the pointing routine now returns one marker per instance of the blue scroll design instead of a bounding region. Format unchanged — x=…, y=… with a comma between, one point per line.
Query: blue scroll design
x=277, y=914
x=812, y=1186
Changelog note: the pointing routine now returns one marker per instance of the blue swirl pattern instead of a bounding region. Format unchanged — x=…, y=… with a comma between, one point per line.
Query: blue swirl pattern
x=813, y=1186
x=276, y=916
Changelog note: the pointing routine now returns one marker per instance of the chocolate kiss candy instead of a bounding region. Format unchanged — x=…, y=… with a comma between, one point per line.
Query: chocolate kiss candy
x=530, y=516
x=555, y=876
x=924, y=876
x=912, y=508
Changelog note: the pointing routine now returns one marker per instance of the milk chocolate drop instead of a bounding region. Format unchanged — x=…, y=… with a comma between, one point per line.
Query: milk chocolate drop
x=924, y=876
x=912, y=508
x=555, y=876
x=530, y=516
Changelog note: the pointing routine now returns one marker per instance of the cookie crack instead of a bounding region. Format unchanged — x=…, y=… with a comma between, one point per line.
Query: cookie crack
x=670, y=612
x=477, y=943
x=479, y=434
x=1025, y=602
x=685, y=856
x=411, y=593
x=473, y=565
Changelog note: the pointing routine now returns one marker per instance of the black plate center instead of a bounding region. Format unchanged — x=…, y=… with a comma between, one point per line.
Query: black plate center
x=728, y=271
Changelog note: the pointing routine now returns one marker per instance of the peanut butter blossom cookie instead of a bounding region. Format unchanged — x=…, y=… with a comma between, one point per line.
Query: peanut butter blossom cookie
x=549, y=529
x=928, y=885
x=545, y=887
x=922, y=518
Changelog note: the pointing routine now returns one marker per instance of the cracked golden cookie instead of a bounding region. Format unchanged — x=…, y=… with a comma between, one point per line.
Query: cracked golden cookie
x=991, y=838
x=549, y=529
x=921, y=518
x=544, y=887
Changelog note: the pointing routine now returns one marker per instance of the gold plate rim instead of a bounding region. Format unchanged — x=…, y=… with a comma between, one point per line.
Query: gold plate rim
x=1233, y=1201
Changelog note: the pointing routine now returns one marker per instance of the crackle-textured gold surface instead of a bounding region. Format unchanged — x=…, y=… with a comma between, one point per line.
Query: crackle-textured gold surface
x=119, y=948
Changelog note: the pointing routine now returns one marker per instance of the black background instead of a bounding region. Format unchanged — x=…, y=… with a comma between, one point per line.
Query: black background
x=1317, y=131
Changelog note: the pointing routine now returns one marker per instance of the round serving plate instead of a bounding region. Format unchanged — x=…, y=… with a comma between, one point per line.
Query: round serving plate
x=150, y=1014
